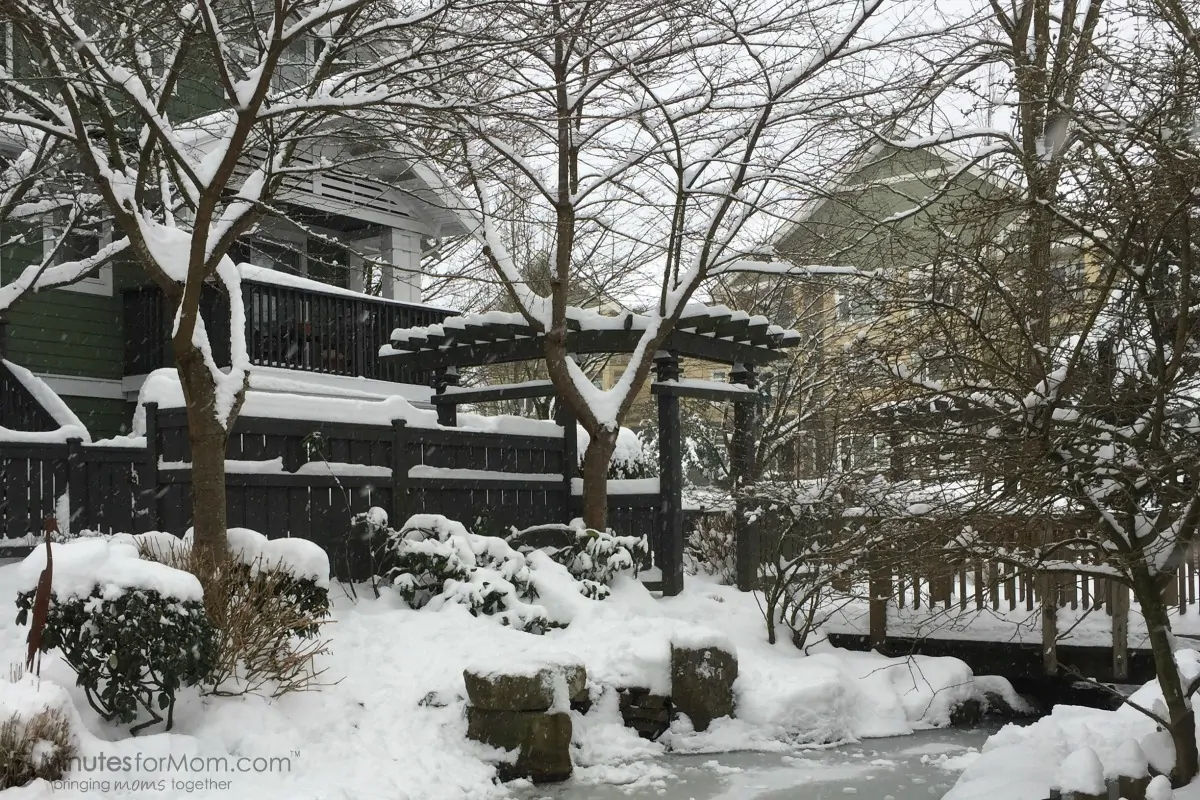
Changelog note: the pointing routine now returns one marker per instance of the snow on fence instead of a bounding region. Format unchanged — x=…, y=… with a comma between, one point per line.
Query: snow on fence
x=931, y=595
x=303, y=478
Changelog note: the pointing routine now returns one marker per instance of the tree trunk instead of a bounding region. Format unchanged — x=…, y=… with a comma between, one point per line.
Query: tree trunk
x=1183, y=717
x=209, y=439
x=595, y=478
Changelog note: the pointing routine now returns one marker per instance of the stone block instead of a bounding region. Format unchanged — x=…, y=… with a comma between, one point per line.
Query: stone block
x=702, y=683
x=532, y=691
x=1132, y=788
x=542, y=742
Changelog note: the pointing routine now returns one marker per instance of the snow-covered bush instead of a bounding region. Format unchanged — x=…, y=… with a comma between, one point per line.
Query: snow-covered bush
x=594, y=558
x=710, y=548
x=433, y=562
x=35, y=732
x=134, y=631
x=268, y=604
x=630, y=460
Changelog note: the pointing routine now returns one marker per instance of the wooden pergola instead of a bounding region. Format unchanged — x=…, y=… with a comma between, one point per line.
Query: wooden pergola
x=707, y=333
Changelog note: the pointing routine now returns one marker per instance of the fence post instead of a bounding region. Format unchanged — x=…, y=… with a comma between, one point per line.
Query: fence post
x=570, y=455
x=3, y=335
x=149, y=476
x=400, y=464
x=747, y=549
x=879, y=584
x=447, y=414
x=1047, y=588
x=670, y=479
x=1120, y=631
x=76, y=486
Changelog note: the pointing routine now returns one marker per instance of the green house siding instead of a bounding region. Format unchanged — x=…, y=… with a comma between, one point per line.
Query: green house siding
x=103, y=418
x=64, y=332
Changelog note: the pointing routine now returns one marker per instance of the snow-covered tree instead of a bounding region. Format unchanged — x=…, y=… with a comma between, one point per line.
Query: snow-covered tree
x=1060, y=377
x=177, y=124
x=660, y=136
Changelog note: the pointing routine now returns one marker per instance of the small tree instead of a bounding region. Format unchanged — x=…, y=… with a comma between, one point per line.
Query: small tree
x=656, y=135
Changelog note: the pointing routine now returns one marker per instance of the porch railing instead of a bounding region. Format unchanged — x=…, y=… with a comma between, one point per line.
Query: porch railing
x=334, y=334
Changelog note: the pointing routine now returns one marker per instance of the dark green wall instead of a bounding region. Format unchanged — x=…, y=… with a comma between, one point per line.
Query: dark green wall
x=102, y=418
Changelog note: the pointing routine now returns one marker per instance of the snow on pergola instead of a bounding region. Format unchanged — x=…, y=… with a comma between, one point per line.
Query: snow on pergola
x=708, y=333
x=711, y=333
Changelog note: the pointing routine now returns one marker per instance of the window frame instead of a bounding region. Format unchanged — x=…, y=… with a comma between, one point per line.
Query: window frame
x=102, y=284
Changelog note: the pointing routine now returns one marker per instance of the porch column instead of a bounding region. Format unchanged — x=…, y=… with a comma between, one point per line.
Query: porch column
x=446, y=414
x=670, y=477
x=747, y=544
x=403, y=280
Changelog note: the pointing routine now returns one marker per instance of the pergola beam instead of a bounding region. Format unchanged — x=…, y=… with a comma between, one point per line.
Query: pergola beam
x=484, y=394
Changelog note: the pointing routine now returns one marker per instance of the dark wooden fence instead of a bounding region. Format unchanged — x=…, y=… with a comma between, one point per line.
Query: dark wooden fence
x=336, y=334
x=305, y=479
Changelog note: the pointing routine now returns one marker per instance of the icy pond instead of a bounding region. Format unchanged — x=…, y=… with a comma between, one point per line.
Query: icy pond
x=918, y=767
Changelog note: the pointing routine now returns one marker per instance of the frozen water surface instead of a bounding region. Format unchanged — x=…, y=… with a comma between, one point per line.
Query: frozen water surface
x=918, y=767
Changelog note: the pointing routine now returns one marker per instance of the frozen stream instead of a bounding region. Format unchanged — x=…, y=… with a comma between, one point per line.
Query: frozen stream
x=918, y=767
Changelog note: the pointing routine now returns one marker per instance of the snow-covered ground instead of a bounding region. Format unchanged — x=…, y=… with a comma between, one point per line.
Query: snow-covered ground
x=390, y=722
x=1024, y=762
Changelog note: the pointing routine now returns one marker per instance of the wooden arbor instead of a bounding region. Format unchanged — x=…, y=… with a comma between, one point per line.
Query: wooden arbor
x=707, y=333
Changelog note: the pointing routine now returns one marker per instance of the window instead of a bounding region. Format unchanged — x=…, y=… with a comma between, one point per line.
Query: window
x=856, y=307
x=83, y=241
x=295, y=66
x=1070, y=277
x=720, y=375
x=863, y=452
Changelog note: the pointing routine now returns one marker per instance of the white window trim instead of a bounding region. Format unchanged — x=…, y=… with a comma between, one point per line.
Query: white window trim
x=102, y=284
x=84, y=386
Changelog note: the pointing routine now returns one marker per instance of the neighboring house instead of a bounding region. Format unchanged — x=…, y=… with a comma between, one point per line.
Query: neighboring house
x=905, y=214
x=316, y=313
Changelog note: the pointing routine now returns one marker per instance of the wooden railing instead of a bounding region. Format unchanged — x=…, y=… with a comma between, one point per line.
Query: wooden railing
x=310, y=331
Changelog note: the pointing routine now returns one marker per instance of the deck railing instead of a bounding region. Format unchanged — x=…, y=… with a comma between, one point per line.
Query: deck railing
x=287, y=327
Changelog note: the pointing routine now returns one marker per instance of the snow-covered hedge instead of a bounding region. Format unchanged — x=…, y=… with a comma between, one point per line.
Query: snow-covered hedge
x=134, y=631
x=594, y=558
x=434, y=562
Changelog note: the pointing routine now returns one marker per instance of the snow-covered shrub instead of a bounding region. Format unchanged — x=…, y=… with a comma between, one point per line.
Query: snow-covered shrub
x=433, y=562
x=35, y=733
x=134, y=631
x=592, y=557
x=710, y=548
x=630, y=459
x=268, y=604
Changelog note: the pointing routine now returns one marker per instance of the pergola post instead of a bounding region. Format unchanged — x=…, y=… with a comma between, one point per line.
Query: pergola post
x=747, y=545
x=446, y=414
x=670, y=478
x=570, y=453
